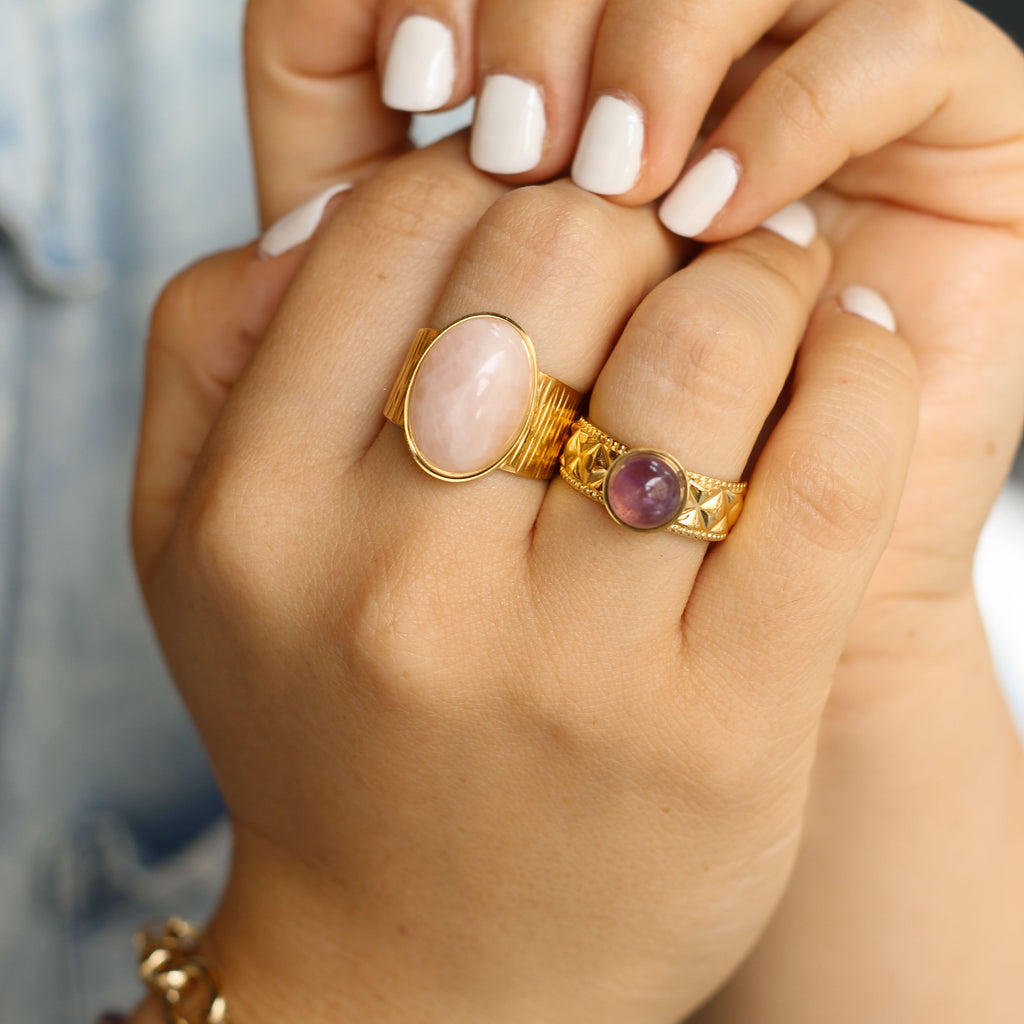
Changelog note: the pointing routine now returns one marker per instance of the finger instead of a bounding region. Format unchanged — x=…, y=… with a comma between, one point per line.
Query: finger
x=696, y=374
x=568, y=268
x=205, y=328
x=822, y=500
x=534, y=60
x=936, y=75
x=315, y=112
x=427, y=53
x=657, y=68
x=972, y=379
x=312, y=399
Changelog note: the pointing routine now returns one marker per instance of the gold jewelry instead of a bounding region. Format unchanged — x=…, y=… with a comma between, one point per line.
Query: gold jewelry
x=186, y=984
x=649, y=490
x=471, y=400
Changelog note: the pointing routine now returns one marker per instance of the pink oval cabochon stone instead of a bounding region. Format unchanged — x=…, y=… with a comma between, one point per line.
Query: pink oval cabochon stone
x=470, y=395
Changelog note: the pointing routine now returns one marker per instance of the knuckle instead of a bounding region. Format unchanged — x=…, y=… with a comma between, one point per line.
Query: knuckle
x=213, y=537
x=834, y=496
x=544, y=234
x=232, y=534
x=800, y=92
x=408, y=198
x=389, y=623
x=176, y=309
x=414, y=637
x=700, y=346
x=923, y=24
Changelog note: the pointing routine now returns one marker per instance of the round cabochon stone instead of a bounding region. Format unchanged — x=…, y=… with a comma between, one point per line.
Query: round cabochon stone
x=470, y=396
x=643, y=490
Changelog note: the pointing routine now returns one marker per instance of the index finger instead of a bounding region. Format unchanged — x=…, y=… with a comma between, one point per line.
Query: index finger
x=315, y=112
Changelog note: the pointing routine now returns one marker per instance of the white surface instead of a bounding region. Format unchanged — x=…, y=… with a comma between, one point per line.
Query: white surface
x=700, y=194
x=508, y=132
x=611, y=148
x=420, y=71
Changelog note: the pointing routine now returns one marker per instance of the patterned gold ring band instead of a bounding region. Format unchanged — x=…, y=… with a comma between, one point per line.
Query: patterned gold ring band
x=646, y=489
x=471, y=400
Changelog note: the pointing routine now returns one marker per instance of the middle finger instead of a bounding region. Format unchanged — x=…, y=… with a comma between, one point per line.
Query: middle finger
x=566, y=267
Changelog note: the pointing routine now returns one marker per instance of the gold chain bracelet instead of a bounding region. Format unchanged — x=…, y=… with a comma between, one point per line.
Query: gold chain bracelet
x=186, y=983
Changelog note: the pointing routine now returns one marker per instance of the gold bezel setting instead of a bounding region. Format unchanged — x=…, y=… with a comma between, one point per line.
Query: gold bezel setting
x=524, y=424
x=709, y=508
x=535, y=447
x=654, y=453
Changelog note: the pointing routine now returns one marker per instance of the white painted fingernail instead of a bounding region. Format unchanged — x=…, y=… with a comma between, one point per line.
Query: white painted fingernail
x=420, y=70
x=298, y=226
x=611, y=148
x=509, y=127
x=701, y=193
x=867, y=303
x=796, y=223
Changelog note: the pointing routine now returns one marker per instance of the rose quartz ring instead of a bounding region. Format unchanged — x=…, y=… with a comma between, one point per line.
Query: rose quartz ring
x=646, y=489
x=472, y=400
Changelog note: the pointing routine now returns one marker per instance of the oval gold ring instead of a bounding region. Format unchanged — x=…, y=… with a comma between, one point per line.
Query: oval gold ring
x=472, y=400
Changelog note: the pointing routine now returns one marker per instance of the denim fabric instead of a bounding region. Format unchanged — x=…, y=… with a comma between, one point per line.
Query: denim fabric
x=122, y=156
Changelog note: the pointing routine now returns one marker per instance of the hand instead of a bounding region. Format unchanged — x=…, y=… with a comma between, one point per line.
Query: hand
x=910, y=863
x=910, y=102
x=533, y=784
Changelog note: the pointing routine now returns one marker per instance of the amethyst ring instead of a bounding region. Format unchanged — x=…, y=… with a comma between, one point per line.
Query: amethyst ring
x=471, y=400
x=646, y=489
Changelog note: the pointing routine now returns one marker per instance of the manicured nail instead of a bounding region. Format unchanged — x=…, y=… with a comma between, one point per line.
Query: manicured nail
x=867, y=303
x=420, y=70
x=298, y=226
x=611, y=148
x=796, y=223
x=700, y=194
x=509, y=127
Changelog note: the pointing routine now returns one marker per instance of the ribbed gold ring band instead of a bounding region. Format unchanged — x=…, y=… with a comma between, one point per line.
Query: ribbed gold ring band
x=706, y=508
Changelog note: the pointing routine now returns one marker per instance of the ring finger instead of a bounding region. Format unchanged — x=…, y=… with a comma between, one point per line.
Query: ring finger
x=696, y=374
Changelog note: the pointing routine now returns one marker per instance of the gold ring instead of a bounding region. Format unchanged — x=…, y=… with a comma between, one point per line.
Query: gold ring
x=646, y=489
x=471, y=400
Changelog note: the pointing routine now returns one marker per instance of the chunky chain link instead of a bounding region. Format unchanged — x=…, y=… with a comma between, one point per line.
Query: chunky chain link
x=186, y=984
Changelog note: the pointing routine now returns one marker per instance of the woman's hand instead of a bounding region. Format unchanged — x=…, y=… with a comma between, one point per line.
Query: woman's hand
x=910, y=863
x=913, y=102
x=489, y=754
x=908, y=898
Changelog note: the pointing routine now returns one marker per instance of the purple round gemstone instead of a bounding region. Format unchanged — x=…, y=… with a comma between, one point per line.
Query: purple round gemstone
x=643, y=490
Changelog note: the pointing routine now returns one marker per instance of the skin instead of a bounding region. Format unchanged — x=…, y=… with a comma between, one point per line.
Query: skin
x=551, y=826
x=913, y=697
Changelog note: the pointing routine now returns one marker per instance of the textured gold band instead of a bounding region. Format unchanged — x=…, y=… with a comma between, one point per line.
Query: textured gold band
x=536, y=453
x=710, y=506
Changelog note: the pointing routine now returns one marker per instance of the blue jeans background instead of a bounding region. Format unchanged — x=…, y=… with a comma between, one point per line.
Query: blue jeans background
x=123, y=156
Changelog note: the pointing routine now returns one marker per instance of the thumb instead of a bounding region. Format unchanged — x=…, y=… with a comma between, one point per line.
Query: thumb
x=315, y=111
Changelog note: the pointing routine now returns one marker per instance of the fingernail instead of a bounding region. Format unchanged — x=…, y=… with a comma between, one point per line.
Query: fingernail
x=700, y=194
x=611, y=148
x=420, y=70
x=298, y=226
x=509, y=127
x=796, y=223
x=867, y=303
